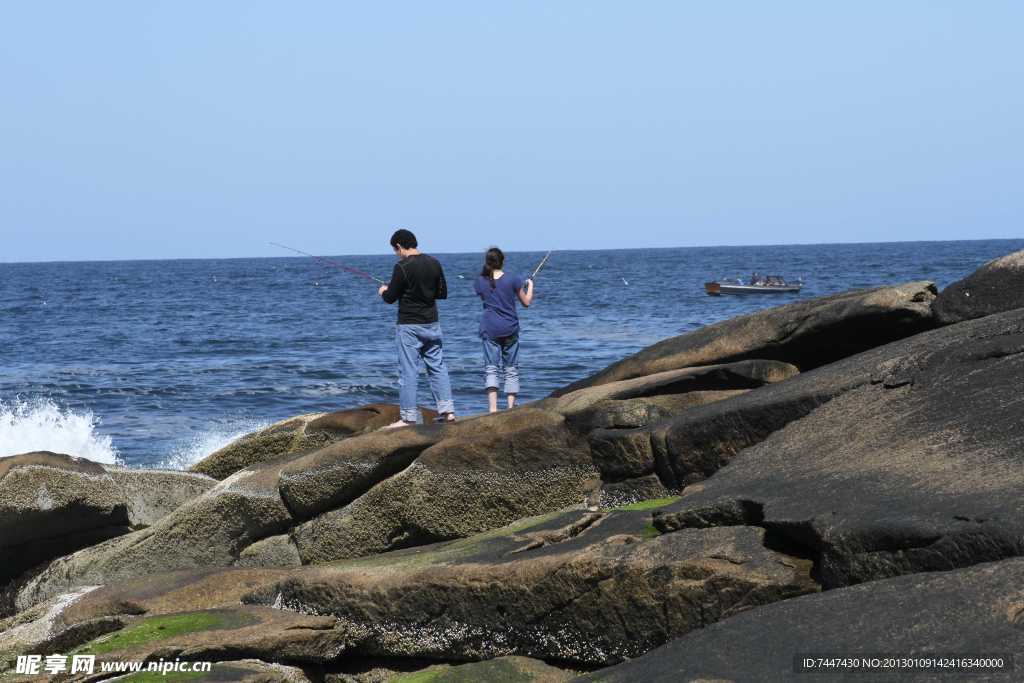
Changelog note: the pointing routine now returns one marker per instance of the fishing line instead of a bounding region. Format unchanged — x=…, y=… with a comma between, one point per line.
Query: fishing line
x=332, y=262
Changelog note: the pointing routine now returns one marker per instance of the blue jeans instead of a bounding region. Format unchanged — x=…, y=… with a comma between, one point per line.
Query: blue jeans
x=415, y=343
x=504, y=352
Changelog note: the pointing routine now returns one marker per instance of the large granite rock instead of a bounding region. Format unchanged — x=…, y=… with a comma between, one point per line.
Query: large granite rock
x=625, y=413
x=904, y=459
x=995, y=287
x=577, y=587
x=208, y=531
x=51, y=497
x=335, y=476
x=53, y=504
x=977, y=611
x=664, y=393
x=807, y=334
x=483, y=474
x=151, y=495
x=298, y=434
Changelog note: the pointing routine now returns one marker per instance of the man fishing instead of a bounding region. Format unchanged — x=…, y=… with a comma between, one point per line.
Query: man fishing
x=417, y=282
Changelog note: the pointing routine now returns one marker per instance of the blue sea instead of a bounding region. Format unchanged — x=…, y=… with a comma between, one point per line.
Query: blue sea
x=158, y=363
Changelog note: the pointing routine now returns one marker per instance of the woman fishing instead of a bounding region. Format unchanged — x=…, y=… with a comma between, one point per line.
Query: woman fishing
x=499, y=324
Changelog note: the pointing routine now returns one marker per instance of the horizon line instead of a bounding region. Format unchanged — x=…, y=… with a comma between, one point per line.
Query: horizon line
x=511, y=251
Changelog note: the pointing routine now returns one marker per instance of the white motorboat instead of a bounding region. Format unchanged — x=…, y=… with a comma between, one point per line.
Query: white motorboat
x=758, y=284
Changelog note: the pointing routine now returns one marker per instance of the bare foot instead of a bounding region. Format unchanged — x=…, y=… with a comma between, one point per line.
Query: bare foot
x=399, y=423
x=445, y=418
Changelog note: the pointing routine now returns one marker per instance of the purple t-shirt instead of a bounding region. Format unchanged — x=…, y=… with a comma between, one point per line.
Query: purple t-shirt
x=500, y=318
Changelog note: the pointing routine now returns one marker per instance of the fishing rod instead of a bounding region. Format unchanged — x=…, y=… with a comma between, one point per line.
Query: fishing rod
x=354, y=271
x=540, y=265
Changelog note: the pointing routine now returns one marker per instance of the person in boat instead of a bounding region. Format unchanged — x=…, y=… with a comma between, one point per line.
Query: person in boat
x=417, y=282
x=499, y=324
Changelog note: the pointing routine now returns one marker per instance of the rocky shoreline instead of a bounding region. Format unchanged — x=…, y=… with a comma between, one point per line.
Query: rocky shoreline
x=840, y=474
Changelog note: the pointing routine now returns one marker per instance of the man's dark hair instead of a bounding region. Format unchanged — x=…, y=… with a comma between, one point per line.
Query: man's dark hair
x=404, y=238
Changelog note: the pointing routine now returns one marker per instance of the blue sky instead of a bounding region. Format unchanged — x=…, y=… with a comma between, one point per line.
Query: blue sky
x=205, y=129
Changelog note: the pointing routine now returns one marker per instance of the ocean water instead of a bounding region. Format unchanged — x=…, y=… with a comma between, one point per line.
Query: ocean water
x=158, y=363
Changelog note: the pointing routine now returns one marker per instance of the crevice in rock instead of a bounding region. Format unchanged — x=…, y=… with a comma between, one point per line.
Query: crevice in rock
x=869, y=331
x=793, y=539
x=692, y=445
x=411, y=536
x=728, y=513
x=662, y=464
x=856, y=558
x=1002, y=346
x=541, y=539
x=721, y=379
x=584, y=587
x=861, y=560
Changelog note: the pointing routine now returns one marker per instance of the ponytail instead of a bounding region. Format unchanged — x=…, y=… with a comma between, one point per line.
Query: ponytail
x=494, y=259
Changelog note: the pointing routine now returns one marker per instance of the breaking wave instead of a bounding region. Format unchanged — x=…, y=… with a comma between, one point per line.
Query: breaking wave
x=42, y=425
x=188, y=452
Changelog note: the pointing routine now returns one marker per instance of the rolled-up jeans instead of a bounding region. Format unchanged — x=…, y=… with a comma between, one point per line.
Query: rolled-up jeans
x=503, y=352
x=422, y=343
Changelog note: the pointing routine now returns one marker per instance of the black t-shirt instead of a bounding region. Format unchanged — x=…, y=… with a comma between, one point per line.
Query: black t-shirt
x=416, y=283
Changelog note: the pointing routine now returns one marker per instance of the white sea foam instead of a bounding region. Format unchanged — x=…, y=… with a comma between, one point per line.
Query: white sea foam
x=42, y=425
x=190, y=451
